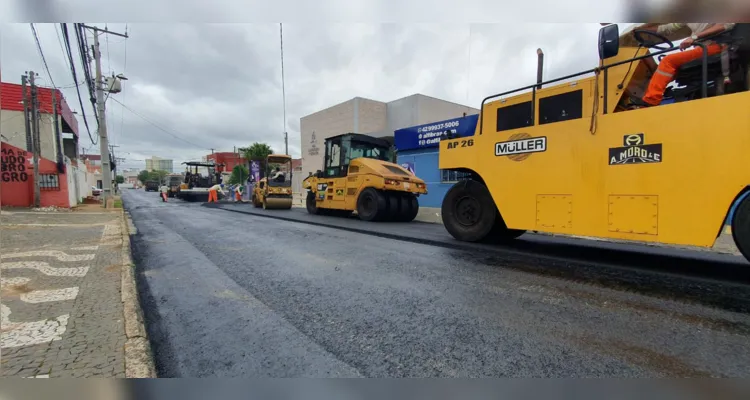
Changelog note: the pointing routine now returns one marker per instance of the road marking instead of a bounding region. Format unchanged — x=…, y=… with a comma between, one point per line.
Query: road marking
x=5, y=282
x=18, y=334
x=44, y=268
x=45, y=296
x=82, y=248
x=61, y=256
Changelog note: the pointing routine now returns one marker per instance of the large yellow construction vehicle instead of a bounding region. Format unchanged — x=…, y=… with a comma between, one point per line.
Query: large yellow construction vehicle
x=359, y=174
x=274, y=189
x=576, y=159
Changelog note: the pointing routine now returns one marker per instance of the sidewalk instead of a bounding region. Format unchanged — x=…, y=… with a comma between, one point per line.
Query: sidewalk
x=62, y=306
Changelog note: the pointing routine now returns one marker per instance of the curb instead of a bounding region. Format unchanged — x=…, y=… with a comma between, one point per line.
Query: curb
x=139, y=362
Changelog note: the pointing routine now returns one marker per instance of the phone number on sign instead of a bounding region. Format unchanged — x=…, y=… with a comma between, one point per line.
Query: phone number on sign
x=437, y=127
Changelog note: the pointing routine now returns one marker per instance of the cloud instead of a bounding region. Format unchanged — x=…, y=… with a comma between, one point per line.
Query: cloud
x=219, y=85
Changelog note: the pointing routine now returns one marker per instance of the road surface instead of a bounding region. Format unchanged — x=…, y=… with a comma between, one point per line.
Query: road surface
x=228, y=294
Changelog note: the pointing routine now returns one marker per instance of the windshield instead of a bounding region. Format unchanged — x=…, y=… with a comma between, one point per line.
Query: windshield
x=280, y=173
x=368, y=150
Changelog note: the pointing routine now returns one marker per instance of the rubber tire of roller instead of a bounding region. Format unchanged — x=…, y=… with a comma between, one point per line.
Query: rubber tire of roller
x=501, y=233
x=411, y=203
x=311, y=205
x=379, y=205
x=487, y=211
x=394, y=206
x=741, y=227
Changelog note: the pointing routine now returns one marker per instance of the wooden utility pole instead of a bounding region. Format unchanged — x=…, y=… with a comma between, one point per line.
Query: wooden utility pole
x=36, y=142
x=103, y=141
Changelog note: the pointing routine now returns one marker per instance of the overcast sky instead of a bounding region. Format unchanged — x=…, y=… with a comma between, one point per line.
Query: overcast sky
x=219, y=85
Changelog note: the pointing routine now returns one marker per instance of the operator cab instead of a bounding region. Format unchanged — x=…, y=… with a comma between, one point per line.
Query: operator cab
x=342, y=149
x=284, y=164
x=689, y=82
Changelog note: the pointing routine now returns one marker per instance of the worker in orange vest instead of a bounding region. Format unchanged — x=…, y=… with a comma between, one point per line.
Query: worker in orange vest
x=212, y=193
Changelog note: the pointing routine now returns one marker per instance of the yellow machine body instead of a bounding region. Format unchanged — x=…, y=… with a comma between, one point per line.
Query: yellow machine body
x=276, y=195
x=341, y=193
x=592, y=167
x=359, y=175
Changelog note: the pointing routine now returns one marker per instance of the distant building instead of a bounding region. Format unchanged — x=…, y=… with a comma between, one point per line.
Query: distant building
x=158, y=164
x=228, y=158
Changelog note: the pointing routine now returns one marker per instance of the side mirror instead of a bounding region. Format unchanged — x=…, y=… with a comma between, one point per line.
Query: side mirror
x=609, y=41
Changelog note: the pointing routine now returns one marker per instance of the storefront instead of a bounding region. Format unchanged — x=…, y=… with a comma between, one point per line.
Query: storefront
x=418, y=149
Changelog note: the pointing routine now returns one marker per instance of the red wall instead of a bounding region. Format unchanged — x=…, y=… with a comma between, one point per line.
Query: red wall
x=17, y=180
x=230, y=159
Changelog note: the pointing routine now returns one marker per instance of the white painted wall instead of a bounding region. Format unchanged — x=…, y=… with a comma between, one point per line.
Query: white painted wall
x=72, y=177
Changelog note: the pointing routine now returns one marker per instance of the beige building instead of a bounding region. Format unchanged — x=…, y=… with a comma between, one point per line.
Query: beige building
x=379, y=119
x=158, y=164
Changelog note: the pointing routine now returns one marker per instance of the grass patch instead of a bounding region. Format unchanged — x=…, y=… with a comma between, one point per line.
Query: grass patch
x=118, y=204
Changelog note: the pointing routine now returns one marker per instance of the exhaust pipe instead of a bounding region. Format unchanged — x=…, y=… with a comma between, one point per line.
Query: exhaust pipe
x=539, y=67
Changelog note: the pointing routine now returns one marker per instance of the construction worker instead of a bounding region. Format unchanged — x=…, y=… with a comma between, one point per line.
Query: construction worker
x=212, y=193
x=164, y=189
x=672, y=62
x=238, y=193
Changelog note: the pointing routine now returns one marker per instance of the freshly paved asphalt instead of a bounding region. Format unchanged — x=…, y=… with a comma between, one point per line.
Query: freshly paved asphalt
x=228, y=294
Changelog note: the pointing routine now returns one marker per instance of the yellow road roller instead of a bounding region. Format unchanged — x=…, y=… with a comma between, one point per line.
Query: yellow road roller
x=581, y=158
x=274, y=190
x=360, y=175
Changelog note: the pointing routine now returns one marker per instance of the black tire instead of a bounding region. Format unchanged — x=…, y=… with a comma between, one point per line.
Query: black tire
x=256, y=204
x=411, y=203
x=311, y=205
x=501, y=233
x=468, y=211
x=372, y=205
x=741, y=227
x=393, y=212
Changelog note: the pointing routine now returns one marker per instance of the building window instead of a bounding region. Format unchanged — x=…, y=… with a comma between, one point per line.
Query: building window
x=514, y=117
x=562, y=107
x=49, y=182
x=450, y=176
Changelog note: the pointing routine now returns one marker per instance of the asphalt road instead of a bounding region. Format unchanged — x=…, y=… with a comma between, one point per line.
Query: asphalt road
x=227, y=294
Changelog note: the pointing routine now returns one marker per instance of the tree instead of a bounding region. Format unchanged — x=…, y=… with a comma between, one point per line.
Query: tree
x=257, y=151
x=157, y=176
x=120, y=179
x=143, y=176
x=239, y=175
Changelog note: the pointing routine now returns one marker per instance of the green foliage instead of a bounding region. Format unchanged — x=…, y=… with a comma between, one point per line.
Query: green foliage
x=120, y=179
x=157, y=176
x=143, y=176
x=239, y=175
x=257, y=151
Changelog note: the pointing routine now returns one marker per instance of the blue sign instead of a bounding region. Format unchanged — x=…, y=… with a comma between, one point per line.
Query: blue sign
x=428, y=135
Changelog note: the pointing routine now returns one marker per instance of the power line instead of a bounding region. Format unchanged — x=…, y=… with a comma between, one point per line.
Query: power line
x=124, y=70
x=75, y=78
x=41, y=54
x=156, y=125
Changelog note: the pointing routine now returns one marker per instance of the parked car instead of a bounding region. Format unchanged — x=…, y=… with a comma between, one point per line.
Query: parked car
x=96, y=191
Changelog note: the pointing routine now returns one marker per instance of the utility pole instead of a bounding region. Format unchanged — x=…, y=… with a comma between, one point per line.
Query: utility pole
x=56, y=121
x=103, y=141
x=283, y=89
x=26, y=114
x=113, y=160
x=36, y=142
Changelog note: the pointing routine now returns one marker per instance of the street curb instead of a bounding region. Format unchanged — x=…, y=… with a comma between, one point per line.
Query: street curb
x=139, y=362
